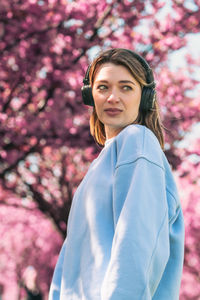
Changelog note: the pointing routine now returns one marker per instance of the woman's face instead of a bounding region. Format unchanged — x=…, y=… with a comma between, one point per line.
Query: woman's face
x=116, y=96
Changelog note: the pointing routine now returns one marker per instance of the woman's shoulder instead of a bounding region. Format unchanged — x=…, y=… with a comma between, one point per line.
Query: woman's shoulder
x=136, y=141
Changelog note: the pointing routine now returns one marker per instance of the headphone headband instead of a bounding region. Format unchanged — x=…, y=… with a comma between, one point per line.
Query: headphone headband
x=143, y=62
x=86, y=79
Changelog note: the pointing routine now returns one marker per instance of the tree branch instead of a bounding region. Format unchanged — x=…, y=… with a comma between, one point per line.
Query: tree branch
x=13, y=166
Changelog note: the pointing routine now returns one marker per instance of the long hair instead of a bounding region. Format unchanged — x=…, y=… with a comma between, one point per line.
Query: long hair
x=150, y=119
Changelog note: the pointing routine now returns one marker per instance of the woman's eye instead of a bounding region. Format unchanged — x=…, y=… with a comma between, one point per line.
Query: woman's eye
x=127, y=88
x=102, y=87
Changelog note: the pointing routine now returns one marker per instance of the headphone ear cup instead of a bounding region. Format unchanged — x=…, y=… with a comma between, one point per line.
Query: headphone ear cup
x=87, y=95
x=147, y=99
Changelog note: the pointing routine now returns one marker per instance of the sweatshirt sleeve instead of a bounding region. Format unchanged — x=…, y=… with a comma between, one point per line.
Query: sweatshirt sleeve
x=140, y=248
x=54, y=293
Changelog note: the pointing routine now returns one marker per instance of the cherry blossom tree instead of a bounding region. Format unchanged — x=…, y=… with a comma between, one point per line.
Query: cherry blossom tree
x=27, y=239
x=45, y=145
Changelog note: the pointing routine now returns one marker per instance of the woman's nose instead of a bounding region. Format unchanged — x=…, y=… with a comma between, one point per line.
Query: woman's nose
x=113, y=96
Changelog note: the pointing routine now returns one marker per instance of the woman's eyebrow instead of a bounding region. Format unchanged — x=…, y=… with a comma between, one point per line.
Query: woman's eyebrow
x=104, y=81
x=121, y=81
x=126, y=81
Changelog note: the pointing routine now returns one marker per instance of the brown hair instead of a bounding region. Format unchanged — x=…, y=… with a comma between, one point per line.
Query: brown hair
x=150, y=119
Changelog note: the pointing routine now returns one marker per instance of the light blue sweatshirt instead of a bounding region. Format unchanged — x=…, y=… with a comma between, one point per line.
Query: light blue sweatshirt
x=125, y=238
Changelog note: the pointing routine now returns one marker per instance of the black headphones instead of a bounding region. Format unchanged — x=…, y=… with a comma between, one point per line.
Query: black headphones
x=148, y=91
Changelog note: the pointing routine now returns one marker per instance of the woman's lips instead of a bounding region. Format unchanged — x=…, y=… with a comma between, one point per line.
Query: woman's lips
x=113, y=111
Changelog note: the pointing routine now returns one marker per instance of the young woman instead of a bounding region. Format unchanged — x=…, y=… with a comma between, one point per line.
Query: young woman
x=125, y=238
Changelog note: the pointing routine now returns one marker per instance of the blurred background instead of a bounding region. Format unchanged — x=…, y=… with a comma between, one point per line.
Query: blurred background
x=45, y=145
